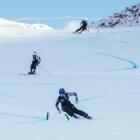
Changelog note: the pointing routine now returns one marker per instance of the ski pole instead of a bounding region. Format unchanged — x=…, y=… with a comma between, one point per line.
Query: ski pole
x=45, y=70
x=92, y=98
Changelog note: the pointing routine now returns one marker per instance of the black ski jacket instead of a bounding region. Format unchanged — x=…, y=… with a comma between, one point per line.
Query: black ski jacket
x=64, y=100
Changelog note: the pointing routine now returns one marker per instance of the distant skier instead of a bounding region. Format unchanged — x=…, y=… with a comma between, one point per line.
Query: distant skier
x=83, y=27
x=67, y=106
x=35, y=62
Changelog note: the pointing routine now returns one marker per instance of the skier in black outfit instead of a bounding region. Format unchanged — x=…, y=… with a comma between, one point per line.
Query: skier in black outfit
x=83, y=27
x=35, y=62
x=67, y=106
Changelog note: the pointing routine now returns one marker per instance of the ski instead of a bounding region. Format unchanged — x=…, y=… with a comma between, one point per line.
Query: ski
x=23, y=74
x=26, y=74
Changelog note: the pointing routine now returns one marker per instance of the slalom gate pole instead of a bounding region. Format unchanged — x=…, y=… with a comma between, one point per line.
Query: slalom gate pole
x=64, y=114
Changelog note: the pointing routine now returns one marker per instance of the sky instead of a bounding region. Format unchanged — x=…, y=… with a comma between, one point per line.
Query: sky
x=13, y=9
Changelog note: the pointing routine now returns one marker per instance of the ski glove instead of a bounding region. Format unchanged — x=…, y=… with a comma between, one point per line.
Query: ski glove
x=76, y=101
x=59, y=111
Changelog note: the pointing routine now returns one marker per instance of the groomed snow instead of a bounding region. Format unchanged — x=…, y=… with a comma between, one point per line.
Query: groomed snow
x=102, y=67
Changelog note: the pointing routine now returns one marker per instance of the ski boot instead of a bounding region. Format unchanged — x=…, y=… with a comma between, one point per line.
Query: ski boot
x=74, y=116
x=88, y=117
x=31, y=72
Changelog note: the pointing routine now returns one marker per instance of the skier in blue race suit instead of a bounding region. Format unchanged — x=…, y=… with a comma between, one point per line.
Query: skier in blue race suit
x=67, y=106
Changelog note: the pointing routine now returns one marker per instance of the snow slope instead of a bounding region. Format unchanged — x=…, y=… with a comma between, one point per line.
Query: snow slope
x=102, y=67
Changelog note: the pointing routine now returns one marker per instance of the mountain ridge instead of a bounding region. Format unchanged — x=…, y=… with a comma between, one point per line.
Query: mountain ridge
x=130, y=16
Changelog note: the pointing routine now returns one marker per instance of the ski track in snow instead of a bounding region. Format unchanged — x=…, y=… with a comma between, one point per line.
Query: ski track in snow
x=31, y=119
x=7, y=95
x=27, y=119
x=133, y=65
x=26, y=84
x=36, y=119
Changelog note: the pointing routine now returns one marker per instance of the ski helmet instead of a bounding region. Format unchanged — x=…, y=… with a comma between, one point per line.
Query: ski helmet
x=61, y=91
x=34, y=54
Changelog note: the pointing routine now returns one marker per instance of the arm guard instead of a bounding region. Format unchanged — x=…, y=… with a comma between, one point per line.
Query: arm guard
x=73, y=94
